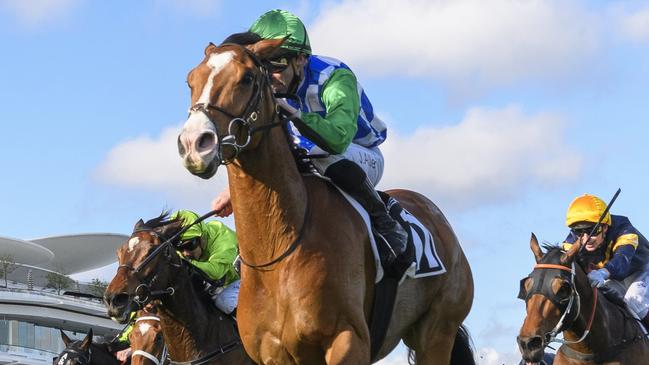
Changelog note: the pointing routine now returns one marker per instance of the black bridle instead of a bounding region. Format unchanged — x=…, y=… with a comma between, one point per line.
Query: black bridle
x=570, y=307
x=143, y=293
x=82, y=357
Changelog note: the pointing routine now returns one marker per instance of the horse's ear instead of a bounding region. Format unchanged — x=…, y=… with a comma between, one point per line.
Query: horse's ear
x=66, y=340
x=138, y=225
x=536, y=249
x=572, y=252
x=85, y=344
x=210, y=48
x=263, y=49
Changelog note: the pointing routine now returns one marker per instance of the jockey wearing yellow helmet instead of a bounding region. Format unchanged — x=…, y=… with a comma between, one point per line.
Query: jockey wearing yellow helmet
x=619, y=252
x=332, y=115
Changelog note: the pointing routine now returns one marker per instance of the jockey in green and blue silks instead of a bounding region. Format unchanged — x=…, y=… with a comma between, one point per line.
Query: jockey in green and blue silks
x=212, y=248
x=333, y=115
x=618, y=250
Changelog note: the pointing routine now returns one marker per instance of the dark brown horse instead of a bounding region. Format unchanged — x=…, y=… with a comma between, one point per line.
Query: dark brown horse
x=559, y=298
x=147, y=341
x=308, y=275
x=84, y=352
x=149, y=269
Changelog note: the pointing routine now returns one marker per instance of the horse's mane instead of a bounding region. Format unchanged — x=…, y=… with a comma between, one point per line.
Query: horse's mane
x=243, y=38
x=159, y=221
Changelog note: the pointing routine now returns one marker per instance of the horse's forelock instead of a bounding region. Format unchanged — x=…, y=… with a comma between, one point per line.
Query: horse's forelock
x=553, y=254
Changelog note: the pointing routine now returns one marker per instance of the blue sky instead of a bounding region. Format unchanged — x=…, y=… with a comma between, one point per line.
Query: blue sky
x=499, y=111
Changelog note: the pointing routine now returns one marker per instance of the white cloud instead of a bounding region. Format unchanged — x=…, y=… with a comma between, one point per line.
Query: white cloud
x=154, y=164
x=35, y=13
x=490, y=356
x=493, y=42
x=489, y=156
x=635, y=24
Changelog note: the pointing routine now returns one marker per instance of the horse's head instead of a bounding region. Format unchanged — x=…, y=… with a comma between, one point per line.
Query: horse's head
x=230, y=100
x=146, y=262
x=551, y=294
x=146, y=339
x=75, y=352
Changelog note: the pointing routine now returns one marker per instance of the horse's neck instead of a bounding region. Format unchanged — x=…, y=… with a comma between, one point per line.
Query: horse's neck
x=269, y=198
x=602, y=333
x=101, y=356
x=189, y=328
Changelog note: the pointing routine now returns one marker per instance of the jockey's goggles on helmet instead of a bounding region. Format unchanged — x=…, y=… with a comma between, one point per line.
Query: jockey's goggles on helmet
x=582, y=230
x=278, y=65
x=190, y=244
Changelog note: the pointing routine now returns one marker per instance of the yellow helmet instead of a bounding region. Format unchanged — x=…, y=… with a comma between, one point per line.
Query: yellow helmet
x=587, y=208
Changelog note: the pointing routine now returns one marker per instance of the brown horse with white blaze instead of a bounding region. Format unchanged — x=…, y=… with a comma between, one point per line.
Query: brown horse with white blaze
x=147, y=341
x=559, y=298
x=308, y=275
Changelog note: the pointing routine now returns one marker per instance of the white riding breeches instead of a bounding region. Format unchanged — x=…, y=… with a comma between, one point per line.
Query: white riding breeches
x=370, y=159
x=634, y=288
x=226, y=299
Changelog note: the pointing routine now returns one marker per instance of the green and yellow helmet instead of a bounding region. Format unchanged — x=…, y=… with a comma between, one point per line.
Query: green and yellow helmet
x=278, y=23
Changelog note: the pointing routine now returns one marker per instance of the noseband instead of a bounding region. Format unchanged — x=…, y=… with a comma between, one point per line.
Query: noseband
x=543, y=288
x=247, y=118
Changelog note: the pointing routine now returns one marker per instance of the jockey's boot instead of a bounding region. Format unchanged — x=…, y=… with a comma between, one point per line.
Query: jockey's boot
x=354, y=181
x=391, y=230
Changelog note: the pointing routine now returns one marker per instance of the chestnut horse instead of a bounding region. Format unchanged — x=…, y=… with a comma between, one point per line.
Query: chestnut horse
x=146, y=339
x=559, y=298
x=308, y=271
x=150, y=269
x=85, y=352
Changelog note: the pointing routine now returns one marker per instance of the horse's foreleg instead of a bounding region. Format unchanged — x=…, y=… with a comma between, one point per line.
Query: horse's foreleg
x=348, y=348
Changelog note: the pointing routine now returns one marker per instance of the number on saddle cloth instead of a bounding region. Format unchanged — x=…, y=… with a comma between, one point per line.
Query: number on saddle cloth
x=420, y=246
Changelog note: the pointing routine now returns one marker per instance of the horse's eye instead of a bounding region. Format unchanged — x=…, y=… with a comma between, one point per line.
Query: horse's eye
x=247, y=78
x=564, y=291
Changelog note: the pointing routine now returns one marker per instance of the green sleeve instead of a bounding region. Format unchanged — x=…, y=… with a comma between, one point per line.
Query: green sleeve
x=124, y=336
x=219, y=254
x=342, y=104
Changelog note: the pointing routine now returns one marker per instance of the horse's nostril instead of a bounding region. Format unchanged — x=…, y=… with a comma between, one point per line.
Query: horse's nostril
x=117, y=300
x=530, y=343
x=205, y=142
x=181, y=149
x=535, y=343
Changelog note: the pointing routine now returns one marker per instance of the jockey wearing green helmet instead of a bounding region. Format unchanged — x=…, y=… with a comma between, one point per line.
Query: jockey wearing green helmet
x=212, y=247
x=282, y=24
x=330, y=113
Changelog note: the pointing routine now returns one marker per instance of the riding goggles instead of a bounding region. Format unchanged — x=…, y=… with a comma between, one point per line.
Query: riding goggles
x=278, y=65
x=586, y=230
x=189, y=244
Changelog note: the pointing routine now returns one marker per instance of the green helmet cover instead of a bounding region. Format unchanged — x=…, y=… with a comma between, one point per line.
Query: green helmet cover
x=189, y=217
x=278, y=23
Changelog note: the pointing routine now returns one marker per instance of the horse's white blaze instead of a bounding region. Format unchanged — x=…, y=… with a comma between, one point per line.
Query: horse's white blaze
x=216, y=62
x=132, y=243
x=196, y=124
x=144, y=328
